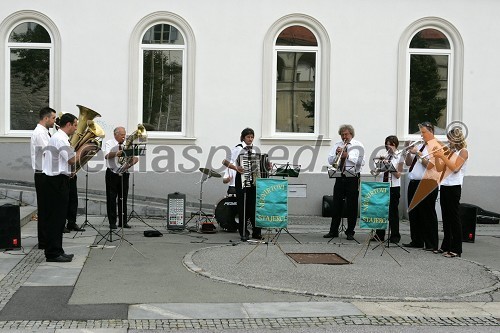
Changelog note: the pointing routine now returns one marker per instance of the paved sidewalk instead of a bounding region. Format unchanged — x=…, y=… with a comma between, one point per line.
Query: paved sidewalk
x=211, y=282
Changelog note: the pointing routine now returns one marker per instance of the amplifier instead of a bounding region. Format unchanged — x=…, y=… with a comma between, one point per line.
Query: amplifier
x=176, y=211
x=468, y=218
x=10, y=227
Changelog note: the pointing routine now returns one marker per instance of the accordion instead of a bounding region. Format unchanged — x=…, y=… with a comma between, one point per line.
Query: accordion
x=255, y=166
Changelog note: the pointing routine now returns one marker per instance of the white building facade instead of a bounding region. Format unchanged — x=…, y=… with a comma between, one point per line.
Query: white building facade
x=196, y=73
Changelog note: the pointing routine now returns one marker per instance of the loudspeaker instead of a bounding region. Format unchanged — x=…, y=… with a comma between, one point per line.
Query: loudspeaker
x=468, y=217
x=326, y=210
x=10, y=227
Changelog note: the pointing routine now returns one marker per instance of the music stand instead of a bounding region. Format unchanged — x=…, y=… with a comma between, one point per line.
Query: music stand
x=201, y=216
x=349, y=172
x=284, y=170
x=86, y=222
x=121, y=235
x=387, y=167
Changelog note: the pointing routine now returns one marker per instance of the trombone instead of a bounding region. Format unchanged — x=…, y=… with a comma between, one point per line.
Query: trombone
x=405, y=150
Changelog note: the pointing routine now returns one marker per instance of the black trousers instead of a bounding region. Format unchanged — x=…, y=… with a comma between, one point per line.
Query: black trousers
x=245, y=198
x=56, y=191
x=423, y=217
x=73, y=201
x=452, y=226
x=116, y=196
x=393, y=215
x=348, y=188
x=40, y=198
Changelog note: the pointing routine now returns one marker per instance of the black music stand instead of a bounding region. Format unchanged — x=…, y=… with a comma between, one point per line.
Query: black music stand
x=138, y=149
x=348, y=171
x=120, y=234
x=201, y=216
x=284, y=170
x=86, y=222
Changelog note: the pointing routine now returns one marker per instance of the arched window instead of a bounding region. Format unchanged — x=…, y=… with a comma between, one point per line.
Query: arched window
x=433, y=77
x=29, y=70
x=296, y=81
x=161, y=73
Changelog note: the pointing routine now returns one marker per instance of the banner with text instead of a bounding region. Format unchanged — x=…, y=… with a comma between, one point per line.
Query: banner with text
x=271, y=209
x=375, y=197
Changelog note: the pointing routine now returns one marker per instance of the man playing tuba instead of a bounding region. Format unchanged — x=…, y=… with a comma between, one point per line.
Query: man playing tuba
x=117, y=178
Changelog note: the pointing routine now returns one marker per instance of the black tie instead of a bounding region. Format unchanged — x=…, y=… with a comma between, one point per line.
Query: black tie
x=415, y=158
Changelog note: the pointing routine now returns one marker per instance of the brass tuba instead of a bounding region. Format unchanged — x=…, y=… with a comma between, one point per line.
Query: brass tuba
x=139, y=136
x=87, y=138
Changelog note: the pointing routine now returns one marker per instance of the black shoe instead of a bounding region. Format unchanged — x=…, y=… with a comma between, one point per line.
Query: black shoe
x=113, y=226
x=410, y=244
x=244, y=239
x=350, y=237
x=259, y=237
x=65, y=230
x=126, y=226
x=61, y=258
x=394, y=240
x=74, y=227
x=68, y=255
x=330, y=235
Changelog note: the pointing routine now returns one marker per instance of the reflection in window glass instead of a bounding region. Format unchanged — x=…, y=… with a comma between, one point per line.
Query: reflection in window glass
x=163, y=34
x=295, y=87
x=296, y=36
x=30, y=74
x=429, y=39
x=162, y=89
x=428, y=90
x=29, y=32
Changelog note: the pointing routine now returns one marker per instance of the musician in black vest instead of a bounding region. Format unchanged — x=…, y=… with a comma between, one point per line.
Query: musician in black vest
x=245, y=195
x=422, y=172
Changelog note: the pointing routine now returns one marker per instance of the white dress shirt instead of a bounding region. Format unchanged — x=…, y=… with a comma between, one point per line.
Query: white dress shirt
x=57, y=155
x=112, y=163
x=455, y=178
x=39, y=140
x=355, y=157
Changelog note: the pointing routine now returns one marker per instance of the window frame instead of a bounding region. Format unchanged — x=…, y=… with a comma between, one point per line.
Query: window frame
x=6, y=28
x=136, y=74
x=322, y=81
x=455, y=72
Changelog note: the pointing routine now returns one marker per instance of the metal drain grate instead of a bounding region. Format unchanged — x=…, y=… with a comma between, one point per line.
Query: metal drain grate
x=318, y=258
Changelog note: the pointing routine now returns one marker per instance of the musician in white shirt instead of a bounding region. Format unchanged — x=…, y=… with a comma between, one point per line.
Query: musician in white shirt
x=117, y=179
x=394, y=178
x=57, y=166
x=451, y=190
x=40, y=140
x=350, y=153
x=244, y=194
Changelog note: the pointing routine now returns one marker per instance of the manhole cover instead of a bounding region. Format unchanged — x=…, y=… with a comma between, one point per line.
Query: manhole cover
x=318, y=258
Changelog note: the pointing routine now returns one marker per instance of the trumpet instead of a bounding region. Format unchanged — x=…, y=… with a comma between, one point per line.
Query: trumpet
x=338, y=157
x=382, y=164
x=446, y=148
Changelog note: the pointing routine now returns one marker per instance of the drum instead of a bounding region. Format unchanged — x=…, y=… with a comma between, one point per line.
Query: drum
x=226, y=213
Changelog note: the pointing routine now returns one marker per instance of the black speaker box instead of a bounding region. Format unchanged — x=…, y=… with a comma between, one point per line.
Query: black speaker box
x=10, y=227
x=468, y=217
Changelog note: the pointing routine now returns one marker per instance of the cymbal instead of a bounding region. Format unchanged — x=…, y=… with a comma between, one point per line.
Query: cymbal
x=210, y=173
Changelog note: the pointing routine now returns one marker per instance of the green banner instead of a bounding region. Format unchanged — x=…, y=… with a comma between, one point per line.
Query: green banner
x=271, y=209
x=375, y=197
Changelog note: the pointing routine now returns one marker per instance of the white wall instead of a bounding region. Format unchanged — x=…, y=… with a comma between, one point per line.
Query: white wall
x=229, y=34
